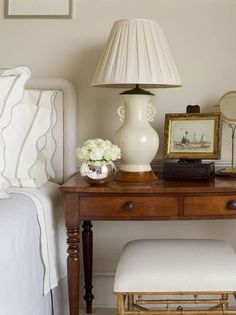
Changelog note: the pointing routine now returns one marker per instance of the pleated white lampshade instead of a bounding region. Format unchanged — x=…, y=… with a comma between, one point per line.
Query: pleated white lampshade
x=136, y=52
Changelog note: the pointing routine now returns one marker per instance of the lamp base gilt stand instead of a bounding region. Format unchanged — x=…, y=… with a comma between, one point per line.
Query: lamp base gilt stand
x=123, y=176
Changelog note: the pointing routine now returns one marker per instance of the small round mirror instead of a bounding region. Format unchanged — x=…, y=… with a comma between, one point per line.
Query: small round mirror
x=228, y=106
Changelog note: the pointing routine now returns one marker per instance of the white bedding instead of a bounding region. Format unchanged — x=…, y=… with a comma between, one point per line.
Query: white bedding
x=49, y=205
x=33, y=249
x=32, y=232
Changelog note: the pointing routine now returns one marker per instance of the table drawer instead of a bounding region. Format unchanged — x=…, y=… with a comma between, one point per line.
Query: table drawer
x=210, y=205
x=115, y=207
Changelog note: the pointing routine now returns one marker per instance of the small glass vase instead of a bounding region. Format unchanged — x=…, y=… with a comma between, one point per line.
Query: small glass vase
x=97, y=174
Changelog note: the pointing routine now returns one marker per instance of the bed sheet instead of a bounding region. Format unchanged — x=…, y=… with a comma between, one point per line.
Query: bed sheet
x=31, y=224
x=48, y=202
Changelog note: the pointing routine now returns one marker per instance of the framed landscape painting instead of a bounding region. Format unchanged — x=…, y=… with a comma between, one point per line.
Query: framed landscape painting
x=192, y=136
x=38, y=8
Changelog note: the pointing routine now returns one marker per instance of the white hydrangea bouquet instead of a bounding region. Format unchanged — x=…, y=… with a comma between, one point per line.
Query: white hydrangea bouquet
x=97, y=158
x=98, y=152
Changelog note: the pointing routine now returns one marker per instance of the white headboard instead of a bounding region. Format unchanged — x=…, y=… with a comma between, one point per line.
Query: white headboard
x=64, y=160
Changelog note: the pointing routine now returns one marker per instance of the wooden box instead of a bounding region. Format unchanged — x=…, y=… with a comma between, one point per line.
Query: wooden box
x=189, y=171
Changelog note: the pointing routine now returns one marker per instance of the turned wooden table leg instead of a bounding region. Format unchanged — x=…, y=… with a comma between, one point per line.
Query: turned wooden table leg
x=87, y=237
x=73, y=269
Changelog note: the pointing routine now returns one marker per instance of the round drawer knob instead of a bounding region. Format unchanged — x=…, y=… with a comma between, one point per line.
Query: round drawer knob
x=231, y=205
x=128, y=206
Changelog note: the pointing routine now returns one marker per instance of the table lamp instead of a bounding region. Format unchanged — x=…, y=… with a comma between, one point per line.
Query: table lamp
x=136, y=56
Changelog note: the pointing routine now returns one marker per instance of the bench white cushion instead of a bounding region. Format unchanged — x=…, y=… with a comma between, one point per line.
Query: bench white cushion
x=176, y=266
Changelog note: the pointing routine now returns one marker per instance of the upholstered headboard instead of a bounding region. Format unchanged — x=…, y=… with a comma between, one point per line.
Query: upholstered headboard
x=64, y=132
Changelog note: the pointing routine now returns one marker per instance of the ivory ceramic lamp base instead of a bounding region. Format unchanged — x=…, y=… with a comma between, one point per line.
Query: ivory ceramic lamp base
x=136, y=138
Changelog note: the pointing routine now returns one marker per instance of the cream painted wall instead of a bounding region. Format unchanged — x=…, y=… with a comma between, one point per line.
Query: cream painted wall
x=201, y=34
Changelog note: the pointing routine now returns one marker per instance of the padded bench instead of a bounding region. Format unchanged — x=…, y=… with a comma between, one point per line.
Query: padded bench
x=194, y=272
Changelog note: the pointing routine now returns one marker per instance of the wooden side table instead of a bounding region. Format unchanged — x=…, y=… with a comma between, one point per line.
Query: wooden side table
x=122, y=201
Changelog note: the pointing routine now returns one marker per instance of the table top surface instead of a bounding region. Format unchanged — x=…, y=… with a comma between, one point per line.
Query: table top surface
x=218, y=185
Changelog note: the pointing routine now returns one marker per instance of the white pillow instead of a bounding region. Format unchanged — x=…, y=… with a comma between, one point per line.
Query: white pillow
x=12, y=82
x=43, y=170
x=29, y=124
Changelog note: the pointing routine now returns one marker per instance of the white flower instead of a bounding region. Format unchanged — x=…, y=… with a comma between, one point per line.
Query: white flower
x=98, y=151
x=83, y=153
x=115, y=153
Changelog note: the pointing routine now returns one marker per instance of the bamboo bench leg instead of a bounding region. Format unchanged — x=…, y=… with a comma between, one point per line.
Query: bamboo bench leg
x=121, y=304
x=225, y=304
x=130, y=302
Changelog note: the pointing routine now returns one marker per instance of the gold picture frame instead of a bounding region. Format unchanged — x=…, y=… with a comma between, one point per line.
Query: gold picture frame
x=192, y=136
x=61, y=9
